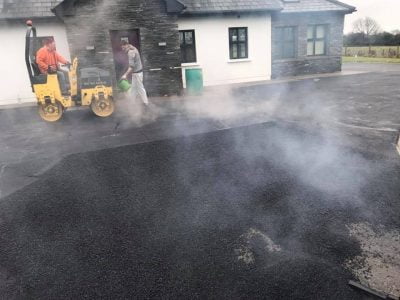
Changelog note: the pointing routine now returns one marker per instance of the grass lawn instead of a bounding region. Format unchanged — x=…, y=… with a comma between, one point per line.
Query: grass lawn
x=362, y=59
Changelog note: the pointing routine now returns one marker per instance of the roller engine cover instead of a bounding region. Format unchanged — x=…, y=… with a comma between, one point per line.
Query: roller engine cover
x=92, y=77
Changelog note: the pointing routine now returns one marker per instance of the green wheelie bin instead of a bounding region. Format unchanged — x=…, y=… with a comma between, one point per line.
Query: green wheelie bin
x=194, y=81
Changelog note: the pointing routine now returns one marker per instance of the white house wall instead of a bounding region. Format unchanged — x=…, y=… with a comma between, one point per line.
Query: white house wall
x=14, y=80
x=212, y=48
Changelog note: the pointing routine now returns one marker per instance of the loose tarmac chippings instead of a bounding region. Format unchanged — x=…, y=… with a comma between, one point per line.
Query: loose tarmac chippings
x=378, y=266
x=244, y=251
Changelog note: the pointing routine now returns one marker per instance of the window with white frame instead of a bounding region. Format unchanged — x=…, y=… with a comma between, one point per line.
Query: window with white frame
x=238, y=43
x=188, y=46
x=285, y=42
x=317, y=40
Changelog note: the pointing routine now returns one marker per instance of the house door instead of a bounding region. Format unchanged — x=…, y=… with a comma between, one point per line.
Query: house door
x=120, y=57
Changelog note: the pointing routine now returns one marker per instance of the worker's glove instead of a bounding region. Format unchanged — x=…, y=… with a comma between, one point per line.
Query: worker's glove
x=67, y=65
x=51, y=70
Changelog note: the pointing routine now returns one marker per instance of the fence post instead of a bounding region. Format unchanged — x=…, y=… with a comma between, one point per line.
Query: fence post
x=398, y=50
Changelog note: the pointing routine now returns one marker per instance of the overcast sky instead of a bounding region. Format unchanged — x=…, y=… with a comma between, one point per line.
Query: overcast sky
x=385, y=12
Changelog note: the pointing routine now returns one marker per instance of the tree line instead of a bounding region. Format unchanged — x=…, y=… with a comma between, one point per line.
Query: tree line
x=367, y=32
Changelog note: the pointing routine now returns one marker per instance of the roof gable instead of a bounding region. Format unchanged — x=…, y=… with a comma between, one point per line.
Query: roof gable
x=316, y=6
x=19, y=9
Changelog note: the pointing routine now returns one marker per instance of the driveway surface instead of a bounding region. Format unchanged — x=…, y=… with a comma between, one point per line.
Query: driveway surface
x=278, y=191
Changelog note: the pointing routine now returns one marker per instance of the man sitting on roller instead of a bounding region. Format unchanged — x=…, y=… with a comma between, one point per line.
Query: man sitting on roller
x=48, y=61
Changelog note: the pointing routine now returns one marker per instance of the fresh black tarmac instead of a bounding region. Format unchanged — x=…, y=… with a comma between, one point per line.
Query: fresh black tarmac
x=165, y=219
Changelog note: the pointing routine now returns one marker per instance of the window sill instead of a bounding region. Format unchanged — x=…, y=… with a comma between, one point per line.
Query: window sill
x=317, y=56
x=286, y=59
x=195, y=64
x=239, y=60
x=302, y=58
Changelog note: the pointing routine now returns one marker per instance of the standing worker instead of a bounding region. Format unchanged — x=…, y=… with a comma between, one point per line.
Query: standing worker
x=48, y=61
x=136, y=69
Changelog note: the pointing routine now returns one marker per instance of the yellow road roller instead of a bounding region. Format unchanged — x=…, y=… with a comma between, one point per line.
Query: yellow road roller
x=90, y=87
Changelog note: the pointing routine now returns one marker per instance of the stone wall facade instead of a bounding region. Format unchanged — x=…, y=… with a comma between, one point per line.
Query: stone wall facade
x=303, y=64
x=89, y=26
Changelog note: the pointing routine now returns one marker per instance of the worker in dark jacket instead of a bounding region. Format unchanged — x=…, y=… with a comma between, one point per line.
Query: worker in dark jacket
x=136, y=69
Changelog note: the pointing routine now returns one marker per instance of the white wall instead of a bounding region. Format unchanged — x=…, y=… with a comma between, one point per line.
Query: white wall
x=212, y=46
x=14, y=80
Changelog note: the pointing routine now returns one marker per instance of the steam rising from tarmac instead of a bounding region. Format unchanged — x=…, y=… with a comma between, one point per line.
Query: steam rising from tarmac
x=318, y=160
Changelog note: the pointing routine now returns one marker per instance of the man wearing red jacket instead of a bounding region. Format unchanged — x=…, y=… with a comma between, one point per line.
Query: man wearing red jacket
x=48, y=61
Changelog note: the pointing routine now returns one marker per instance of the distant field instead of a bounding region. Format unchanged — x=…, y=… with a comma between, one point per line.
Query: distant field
x=377, y=51
x=362, y=59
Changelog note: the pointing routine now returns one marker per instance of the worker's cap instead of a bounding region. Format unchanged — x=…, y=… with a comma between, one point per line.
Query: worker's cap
x=124, y=43
x=48, y=41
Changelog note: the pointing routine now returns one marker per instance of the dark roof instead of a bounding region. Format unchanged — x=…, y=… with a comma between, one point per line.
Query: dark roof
x=67, y=7
x=221, y=6
x=20, y=9
x=316, y=6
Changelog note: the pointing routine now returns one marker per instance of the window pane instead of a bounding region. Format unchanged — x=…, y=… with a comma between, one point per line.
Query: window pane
x=319, y=47
x=234, y=51
x=288, y=34
x=310, y=48
x=232, y=32
x=279, y=50
x=288, y=50
x=310, y=32
x=242, y=35
x=190, y=55
x=188, y=37
x=234, y=37
x=320, y=32
x=279, y=34
x=242, y=51
x=181, y=38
